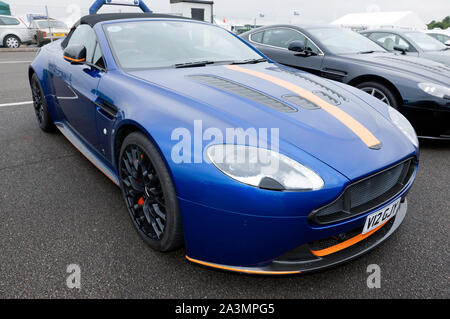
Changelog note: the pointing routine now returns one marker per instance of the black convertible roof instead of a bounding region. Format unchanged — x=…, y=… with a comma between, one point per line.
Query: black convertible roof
x=93, y=19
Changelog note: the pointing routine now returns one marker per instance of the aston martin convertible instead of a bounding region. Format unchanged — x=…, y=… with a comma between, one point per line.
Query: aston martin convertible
x=252, y=166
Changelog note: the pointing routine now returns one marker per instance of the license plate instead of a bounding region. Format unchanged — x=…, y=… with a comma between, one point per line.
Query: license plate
x=59, y=34
x=378, y=218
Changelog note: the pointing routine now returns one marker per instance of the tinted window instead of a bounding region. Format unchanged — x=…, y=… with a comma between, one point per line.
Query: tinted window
x=343, y=41
x=311, y=47
x=98, y=57
x=281, y=37
x=84, y=35
x=9, y=21
x=425, y=42
x=52, y=23
x=441, y=37
x=257, y=37
x=389, y=40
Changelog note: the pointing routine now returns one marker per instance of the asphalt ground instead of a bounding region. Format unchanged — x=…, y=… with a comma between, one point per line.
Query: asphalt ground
x=57, y=209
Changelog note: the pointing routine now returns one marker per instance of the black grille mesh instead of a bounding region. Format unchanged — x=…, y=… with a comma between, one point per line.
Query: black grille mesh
x=366, y=194
x=374, y=187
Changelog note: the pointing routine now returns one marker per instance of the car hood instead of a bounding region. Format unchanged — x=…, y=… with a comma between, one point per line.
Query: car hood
x=224, y=92
x=412, y=66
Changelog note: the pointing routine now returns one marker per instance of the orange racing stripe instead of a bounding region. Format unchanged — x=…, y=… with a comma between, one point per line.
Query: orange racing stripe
x=362, y=132
x=345, y=244
x=244, y=270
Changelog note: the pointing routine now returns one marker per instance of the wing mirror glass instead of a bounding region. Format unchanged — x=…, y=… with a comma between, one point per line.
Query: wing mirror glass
x=75, y=54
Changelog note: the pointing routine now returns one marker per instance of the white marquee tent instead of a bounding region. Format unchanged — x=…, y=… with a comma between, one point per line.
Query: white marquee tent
x=373, y=20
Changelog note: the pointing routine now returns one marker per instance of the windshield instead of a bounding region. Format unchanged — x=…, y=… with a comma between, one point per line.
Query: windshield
x=53, y=24
x=425, y=42
x=156, y=44
x=343, y=41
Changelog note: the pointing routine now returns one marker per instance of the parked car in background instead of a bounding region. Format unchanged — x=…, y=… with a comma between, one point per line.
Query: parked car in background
x=417, y=87
x=413, y=43
x=440, y=35
x=13, y=32
x=46, y=29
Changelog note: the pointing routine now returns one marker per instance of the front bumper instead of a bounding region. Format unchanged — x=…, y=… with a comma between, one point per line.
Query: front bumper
x=303, y=260
x=429, y=118
x=275, y=245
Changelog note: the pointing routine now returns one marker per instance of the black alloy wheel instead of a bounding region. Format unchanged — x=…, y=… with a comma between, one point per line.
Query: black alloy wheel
x=40, y=106
x=149, y=193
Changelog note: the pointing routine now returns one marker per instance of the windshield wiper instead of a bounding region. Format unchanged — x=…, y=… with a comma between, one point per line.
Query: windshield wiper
x=249, y=61
x=193, y=64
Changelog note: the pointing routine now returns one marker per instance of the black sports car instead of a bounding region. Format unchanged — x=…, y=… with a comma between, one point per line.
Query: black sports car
x=417, y=87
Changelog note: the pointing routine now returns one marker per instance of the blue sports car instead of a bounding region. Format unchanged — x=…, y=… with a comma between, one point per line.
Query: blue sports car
x=253, y=166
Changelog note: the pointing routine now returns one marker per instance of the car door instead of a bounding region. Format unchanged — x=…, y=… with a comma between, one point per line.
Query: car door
x=274, y=43
x=76, y=86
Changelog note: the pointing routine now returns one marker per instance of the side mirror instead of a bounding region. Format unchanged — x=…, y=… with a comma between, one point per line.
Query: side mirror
x=297, y=46
x=400, y=48
x=447, y=43
x=75, y=54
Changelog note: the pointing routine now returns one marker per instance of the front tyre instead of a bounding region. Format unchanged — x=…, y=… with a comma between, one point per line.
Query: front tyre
x=149, y=193
x=40, y=106
x=380, y=91
x=11, y=42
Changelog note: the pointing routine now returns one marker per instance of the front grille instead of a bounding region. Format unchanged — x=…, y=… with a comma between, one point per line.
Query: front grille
x=366, y=194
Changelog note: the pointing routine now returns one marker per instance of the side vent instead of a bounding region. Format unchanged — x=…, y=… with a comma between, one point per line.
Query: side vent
x=245, y=92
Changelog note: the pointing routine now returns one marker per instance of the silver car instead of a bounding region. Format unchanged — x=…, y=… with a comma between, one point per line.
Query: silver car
x=412, y=43
x=13, y=32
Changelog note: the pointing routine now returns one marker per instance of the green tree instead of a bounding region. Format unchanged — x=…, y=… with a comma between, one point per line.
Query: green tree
x=444, y=24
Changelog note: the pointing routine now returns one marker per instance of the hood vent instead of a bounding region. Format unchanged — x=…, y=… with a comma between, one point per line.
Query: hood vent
x=299, y=101
x=244, y=91
x=327, y=89
x=327, y=97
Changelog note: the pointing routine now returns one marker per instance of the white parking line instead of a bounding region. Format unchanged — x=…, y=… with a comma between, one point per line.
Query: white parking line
x=12, y=62
x=15, y=104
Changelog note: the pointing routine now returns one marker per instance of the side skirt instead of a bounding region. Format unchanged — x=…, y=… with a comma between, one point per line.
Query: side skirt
x=67, y=132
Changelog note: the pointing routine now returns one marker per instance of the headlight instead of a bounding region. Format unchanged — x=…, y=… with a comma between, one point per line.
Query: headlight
x=436, y=90
x=403, y=124
x=263, y=168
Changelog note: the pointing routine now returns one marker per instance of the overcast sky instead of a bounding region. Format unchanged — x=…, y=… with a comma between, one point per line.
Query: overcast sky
x=311, y=11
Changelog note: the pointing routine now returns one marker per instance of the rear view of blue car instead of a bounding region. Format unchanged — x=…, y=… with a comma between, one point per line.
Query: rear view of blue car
x=253, y=166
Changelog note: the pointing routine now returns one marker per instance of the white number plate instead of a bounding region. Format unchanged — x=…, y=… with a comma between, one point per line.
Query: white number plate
x=383, y=215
